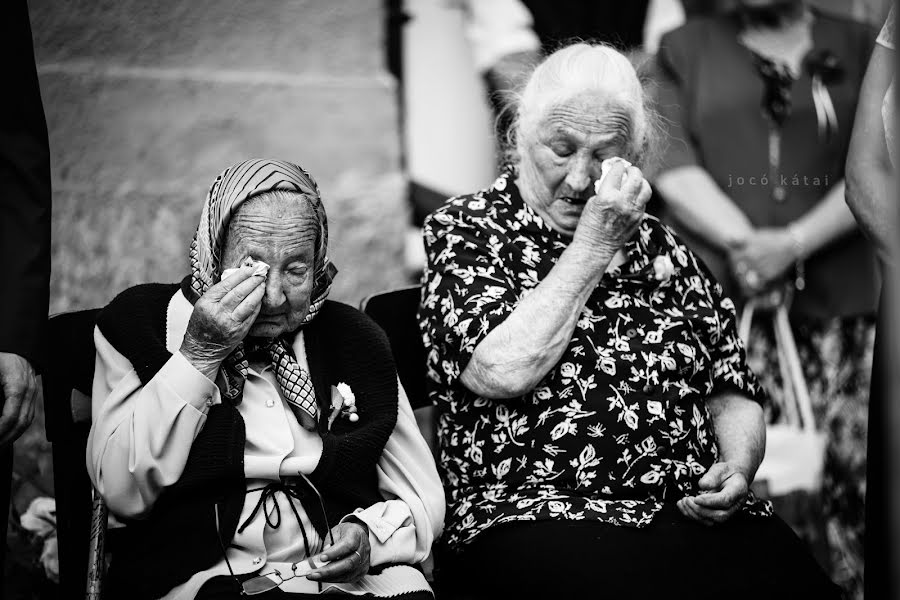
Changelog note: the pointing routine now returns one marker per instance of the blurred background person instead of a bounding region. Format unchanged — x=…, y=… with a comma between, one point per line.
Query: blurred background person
x=760, y=104
x=457, y=61
x=872, y=196
x=24, y=243
x=445, y=121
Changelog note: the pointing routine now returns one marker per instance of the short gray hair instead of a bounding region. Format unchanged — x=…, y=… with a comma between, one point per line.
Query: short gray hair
x=577, y=69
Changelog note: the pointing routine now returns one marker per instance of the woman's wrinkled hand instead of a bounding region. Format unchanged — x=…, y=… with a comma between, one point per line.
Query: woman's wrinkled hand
x=724, y=488
x=348, y=557
x=221, y=319
x=613, y=215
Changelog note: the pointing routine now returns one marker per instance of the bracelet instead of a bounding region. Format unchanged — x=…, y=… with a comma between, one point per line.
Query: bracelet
x=798, y=240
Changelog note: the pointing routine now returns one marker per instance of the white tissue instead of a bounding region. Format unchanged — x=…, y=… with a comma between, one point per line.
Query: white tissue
x=259, y=268
x=605, y=167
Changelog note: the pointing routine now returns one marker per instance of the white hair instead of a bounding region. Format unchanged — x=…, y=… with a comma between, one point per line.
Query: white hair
x=580, y=69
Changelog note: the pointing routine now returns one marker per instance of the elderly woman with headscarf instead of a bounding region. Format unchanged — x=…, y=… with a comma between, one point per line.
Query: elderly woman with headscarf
x=599, y=426
x=252, y=435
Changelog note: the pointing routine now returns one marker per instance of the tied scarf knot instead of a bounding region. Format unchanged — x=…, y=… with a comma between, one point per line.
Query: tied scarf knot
x=294, y=381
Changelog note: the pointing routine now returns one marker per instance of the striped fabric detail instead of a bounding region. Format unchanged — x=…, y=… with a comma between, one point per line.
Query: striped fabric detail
x=234, y=186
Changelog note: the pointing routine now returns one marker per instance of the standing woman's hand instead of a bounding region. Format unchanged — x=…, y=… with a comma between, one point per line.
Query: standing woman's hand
x=763, y=258
x=613, y=215
x=222, y=318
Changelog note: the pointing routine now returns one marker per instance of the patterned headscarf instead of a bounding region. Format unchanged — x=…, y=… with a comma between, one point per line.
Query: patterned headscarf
x=234, y=186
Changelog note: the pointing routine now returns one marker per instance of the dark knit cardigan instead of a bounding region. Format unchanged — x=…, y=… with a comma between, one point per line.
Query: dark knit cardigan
x=179, y=537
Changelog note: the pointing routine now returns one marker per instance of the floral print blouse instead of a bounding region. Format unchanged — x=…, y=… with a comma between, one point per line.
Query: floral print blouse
x=620, y=425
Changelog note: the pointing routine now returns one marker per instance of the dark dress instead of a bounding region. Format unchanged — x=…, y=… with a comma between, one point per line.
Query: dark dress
x=711, y=96
x=571, y=488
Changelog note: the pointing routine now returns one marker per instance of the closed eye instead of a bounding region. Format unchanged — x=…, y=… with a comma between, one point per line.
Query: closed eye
x=561, y=149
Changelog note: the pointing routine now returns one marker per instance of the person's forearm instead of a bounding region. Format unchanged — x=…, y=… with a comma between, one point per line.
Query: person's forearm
x=828, y=221
x=871, y=192
x=740, y=432
x=698, y=204
x=519, y=352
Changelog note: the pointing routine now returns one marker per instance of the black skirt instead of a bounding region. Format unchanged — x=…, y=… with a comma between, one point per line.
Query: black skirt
x=674, y=558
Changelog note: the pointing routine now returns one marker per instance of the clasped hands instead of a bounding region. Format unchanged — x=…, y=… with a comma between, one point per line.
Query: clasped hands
x=723, y=489
x=761, y=259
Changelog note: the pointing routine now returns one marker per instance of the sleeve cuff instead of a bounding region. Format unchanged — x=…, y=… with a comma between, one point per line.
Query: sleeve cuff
x=382, y=523
x=189, y=384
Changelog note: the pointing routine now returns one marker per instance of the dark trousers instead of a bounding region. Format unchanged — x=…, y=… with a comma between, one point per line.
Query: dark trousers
x=672, y=558
x=6, y=462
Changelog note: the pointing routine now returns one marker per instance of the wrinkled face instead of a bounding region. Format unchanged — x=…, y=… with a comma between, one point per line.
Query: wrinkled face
x=282, y=234
x=561, y=156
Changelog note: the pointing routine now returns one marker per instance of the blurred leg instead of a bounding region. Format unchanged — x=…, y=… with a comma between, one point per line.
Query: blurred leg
x=6, y=460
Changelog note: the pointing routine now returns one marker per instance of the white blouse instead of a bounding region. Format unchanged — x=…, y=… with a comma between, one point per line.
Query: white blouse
x=886, y=39
x=141, y=436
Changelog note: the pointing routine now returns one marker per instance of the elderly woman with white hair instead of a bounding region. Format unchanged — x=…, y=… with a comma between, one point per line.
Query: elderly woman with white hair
x=252, y=435
x=599, y=426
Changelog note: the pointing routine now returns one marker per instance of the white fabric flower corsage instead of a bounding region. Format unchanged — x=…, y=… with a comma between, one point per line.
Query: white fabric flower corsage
x=40, y=521
x=663, y=269
x=343, y=403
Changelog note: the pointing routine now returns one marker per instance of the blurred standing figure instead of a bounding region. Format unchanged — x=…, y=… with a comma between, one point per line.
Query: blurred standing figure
x=872, y=196
x=508, y=37
x=24, y=239
x=760, y=103
x=447, y=54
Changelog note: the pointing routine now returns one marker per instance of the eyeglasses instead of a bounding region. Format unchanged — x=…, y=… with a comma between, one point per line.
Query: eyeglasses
x=269, y=581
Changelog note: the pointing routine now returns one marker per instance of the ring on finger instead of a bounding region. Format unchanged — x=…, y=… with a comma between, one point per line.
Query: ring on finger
x=356, y=552
x=752, y=279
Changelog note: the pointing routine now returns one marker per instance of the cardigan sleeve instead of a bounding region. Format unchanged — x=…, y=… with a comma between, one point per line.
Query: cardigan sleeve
x=403, y=527
x=141, y=435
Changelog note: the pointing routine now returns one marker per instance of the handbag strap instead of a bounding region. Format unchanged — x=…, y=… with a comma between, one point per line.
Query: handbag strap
x=746, y=321
x=798, y=406
x=785, y=338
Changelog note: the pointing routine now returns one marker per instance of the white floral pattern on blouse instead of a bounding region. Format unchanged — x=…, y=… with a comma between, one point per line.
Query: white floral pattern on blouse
x=620, y=425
